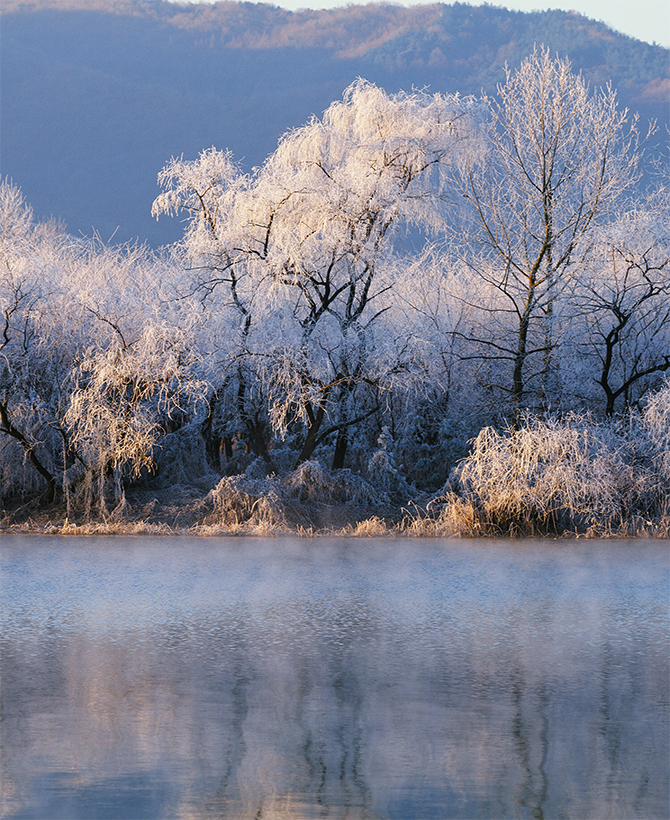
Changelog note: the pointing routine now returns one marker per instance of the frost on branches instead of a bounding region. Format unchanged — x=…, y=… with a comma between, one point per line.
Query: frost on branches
x=302, y=249
x=447, y=314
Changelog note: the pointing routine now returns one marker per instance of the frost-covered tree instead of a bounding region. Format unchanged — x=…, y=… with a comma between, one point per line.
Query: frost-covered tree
x=97, y=360
x=34, y=347
x=560, y=157
x=619, y=316
x=444, y=404
x=139, y=375
x=301, y=249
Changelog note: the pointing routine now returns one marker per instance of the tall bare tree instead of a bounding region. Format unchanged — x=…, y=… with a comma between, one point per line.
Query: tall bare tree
x=559, y=158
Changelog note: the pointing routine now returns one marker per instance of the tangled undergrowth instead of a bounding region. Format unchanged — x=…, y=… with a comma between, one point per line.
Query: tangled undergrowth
x=573, y=476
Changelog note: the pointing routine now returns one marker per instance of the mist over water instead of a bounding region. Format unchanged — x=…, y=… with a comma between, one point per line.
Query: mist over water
x=208, y=678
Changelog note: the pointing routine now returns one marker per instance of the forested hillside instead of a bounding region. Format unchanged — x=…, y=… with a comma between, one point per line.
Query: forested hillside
x=98, y=95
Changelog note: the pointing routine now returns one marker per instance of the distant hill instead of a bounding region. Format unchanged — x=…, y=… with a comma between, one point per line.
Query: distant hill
x=98, y=94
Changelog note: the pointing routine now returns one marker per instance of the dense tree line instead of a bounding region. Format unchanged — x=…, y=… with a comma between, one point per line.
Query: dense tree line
x=401, y=274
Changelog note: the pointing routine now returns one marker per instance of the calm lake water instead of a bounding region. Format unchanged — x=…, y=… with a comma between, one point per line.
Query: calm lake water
x=254, y=678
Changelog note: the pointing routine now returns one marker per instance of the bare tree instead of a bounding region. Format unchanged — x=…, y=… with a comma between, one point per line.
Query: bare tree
x=622, y=305
x=560, y=157
x=95, y=358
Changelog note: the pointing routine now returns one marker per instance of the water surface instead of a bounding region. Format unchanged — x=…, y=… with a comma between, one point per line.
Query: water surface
x=250, y=678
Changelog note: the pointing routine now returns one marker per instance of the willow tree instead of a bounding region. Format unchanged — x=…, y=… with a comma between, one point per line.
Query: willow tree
x=559, y=159
x=138, y=377
x=300, y=248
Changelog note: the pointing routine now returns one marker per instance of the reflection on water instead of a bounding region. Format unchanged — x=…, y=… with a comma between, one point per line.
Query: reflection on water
x=193, y=678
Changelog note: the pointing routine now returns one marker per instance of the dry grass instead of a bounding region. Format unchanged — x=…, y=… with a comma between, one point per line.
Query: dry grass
x=66, y=527
x=240, y=501
x=373, y=527
x=457, y=519
x=571, y=477
x=446, y=517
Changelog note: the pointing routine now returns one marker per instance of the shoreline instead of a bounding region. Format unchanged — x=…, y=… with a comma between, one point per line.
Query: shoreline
x=372, y=527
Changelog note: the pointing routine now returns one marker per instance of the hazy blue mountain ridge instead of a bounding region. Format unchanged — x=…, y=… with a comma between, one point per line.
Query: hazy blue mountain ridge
x=96, y=96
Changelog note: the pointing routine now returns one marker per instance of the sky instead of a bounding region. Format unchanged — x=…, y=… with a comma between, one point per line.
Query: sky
x=644, y=19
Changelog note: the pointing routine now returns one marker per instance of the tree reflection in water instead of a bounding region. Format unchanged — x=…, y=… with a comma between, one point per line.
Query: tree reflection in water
x=189, y=678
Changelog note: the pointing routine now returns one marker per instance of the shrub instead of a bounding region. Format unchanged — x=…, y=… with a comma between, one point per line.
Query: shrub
x=238, y=500
x=566, y=475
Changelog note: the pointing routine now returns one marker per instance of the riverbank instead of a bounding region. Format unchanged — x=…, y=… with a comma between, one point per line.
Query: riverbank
x=569, y=476
x=445, y=516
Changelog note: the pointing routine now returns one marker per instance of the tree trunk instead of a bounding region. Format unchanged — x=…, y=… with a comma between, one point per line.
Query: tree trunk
x=30, y=452
x=519, y=361
x=312, y=437
x=341, y=448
